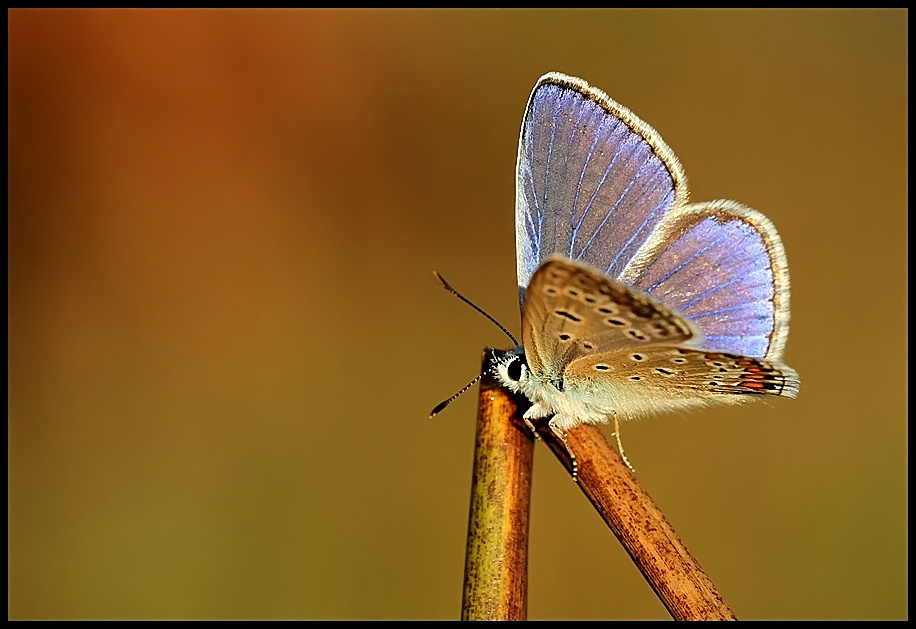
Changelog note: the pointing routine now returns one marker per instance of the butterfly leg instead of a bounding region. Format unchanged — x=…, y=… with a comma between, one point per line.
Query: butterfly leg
x=620, y=444
x=536, y=411
x=533, y=431
x=562, y=437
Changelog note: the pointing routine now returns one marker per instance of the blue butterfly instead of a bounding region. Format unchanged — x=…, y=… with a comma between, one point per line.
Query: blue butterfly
x=634, y=301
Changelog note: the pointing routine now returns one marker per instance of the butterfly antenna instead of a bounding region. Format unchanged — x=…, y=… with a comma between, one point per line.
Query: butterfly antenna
x=448, y=287
x=442, y=405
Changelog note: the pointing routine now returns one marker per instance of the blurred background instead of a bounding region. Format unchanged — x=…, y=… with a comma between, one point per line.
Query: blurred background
x=225, y=338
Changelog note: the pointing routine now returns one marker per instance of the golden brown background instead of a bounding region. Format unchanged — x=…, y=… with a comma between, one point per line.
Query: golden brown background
x=225, y=336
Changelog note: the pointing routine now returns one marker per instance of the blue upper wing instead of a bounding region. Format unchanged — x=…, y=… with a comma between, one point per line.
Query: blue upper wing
x=721, y=265
x=595, y=183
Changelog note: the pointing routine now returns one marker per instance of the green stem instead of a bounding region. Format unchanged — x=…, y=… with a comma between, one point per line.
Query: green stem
x=496, y=564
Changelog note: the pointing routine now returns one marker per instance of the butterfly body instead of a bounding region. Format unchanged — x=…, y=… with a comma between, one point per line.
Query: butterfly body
x=585, y=401
x=634, y=301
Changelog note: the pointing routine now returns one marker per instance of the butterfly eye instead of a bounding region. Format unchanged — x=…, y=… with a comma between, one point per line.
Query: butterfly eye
x=516, y=369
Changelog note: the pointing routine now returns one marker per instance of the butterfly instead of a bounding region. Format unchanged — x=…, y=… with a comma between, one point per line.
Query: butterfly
x=634, y=301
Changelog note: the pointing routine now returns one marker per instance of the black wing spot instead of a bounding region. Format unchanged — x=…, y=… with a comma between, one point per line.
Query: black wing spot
x=568, y=315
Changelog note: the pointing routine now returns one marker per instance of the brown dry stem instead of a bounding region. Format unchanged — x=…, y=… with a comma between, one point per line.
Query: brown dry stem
x=497, y=551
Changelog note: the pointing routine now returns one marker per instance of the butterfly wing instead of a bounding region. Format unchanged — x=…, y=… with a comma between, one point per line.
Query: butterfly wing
x=723, y=266
x=593, y=181
x=657, y=378
x=573, y=311
x=614, y=349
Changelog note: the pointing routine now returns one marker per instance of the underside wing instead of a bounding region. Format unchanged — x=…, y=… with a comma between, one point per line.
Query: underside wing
x=572, y=310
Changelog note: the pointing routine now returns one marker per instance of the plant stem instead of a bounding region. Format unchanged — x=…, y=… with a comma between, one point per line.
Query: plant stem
x=672, y=572
x=496, y=563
